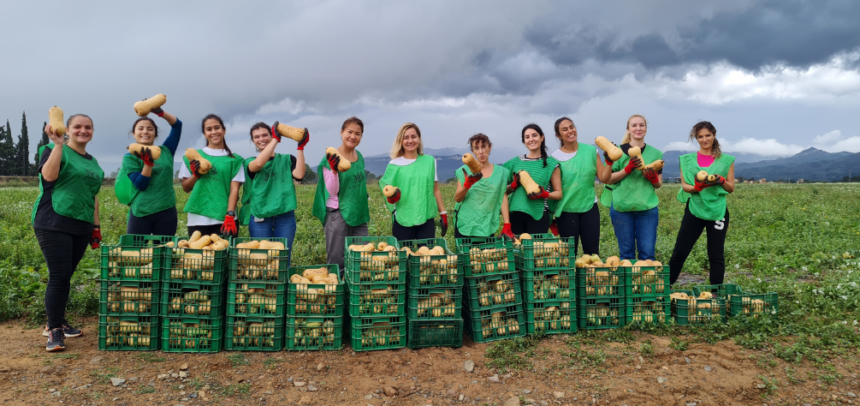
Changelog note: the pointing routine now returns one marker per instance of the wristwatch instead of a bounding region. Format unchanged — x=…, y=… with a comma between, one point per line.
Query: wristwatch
x=231, y=213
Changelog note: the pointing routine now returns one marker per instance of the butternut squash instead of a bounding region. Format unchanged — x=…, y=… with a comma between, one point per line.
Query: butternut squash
x=343, y=164
x=55, y=119
x=193, y=155
x=472, y=163
x=389, y=190
x=613, y=151
x=528, y=183
x=144, y=107
x=137, y=149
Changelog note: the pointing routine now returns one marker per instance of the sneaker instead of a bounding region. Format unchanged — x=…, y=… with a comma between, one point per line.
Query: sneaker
x=55, y=340
x=68, y=330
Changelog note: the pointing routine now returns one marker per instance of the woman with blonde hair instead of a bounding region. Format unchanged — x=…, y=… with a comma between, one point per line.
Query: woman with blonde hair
x=632, y=199
x=414, y=179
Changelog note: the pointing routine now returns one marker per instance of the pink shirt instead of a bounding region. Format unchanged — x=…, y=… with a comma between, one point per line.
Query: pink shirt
x=704, y=160
x=332, y=185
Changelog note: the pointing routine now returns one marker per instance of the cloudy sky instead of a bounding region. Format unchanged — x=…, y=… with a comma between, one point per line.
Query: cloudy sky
x=775, y=77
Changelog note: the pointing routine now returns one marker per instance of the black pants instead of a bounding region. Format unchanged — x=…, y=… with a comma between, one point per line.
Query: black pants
x=205, y=230
x=458, y=234
x=522, y=222
x=62, y=254
x=689, y=233
x=161, y=223
x=583, y=227
x=419, y=232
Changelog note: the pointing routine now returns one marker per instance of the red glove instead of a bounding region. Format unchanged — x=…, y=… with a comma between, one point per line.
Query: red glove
x=553, y=228
x=506, y=232
x=543, y=194
x=699, y=186
x=304, y=141
x=95, y=241
x=229, y=226
x=146, y=157
x=632, y=165
x=395, y=197
x=195, y=169
x=651, y=175
x=158, y=111
x=444, y=223
x=471, y=179
x=514, y=183
x=275, y=134
x=333, y=161
x=606, y=157
x=719, y=181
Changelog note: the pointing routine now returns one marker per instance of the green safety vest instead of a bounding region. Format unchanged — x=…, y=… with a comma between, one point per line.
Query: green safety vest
x=542, y=175
x=478, y=213
x=634, y=192
x=76, y=186
x=158, y=196
x=211, y=193
x=417, y=203
x=710, y=203
x=351, y=196
x=577, y=181
x=270, y=192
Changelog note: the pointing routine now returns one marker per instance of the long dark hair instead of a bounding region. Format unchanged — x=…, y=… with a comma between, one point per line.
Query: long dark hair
x=220, y=121
x=144, y=119
x=536, y=127
x=706, y=125
x=558, y=124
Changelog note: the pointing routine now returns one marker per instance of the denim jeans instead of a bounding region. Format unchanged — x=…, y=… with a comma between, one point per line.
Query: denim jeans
x=635, y=230
x=282, y=225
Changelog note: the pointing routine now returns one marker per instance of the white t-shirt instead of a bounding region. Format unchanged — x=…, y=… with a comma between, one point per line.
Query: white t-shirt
x=401, y=161
x=184, y=173
x=562, y=156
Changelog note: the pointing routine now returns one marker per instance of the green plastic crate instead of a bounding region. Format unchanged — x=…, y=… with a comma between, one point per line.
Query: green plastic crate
x=436, y=303
x=544, y=252
x=129, y=298
x=435, y=333
x=648, y=310
x=188, y=334
x=600, y=313
x=195, y=265
x=145, y=264
x=740, y=302
x=429, y=271
x=697, y=311
x=483, y=326
x=377, y=333
x=254, y=334
x=376, y=300
x=723, y=291
x=551, y=317
x=491, y=291
x=645, y=281
x=314, y=333
x=256, y=299
x=129, y=333
x=593, y=283
x=376, y=266
x=328, y=301
x=188, y=299
x=250, y=265
x=552, y=285
x=485, y=256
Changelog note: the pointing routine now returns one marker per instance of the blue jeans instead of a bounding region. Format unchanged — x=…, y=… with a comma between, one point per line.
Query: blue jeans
x=282, y=225
x=635, y=229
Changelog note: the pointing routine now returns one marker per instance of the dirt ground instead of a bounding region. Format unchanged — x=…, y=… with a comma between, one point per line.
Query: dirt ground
x=562, y=374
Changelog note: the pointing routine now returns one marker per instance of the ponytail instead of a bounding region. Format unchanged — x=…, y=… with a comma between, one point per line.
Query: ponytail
x=715, y=150
x=220, y=121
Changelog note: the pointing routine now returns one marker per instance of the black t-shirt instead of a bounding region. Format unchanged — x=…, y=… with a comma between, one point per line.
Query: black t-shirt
x=46, y=217
x=625, y=147
x=292, y=168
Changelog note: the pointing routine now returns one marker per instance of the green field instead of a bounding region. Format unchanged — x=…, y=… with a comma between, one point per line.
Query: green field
x=797, y=240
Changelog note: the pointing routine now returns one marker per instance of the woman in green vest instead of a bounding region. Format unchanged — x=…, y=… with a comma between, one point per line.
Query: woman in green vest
x=633, y=198
x=215, y=193
x=269, y=195
x=577, y=214
x=341, y=198
x=705, y=202
x=480, y=197
x=66, y=217
x=417, y=200
x=530, y=212
x=146, y=184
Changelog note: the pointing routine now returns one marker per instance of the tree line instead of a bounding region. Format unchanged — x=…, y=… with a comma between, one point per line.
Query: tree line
x=15, y=156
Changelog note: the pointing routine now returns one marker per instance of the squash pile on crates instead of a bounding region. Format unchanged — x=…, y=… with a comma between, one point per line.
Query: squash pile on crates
x=315, y=300
x=549, y=285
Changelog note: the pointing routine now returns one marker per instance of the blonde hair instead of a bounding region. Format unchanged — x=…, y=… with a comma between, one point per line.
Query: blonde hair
x=626, y=138
x=397, y=147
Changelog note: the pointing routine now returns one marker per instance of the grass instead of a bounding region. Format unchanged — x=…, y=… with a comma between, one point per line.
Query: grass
x=238, y=359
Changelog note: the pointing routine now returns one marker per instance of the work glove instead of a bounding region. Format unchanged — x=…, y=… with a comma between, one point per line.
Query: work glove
x=471, y=179
x=333, y=161
x=606, y=157
x=96, y=239
x=304, y=141
x=195, y=169
x=542, y=194
x=506, y=232
x=158, y=111
x=146, y=156
x=719, y=180
x=699, y=186
x=651, y=175
x=395, y=197
x=444, y=222
x=553, y=228
x=632, y=164
x=514, y=183
x=229, y=226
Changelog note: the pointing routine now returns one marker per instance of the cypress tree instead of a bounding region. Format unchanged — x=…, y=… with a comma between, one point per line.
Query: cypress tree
x=44, y=141
x=7, y=151
x=22, y=161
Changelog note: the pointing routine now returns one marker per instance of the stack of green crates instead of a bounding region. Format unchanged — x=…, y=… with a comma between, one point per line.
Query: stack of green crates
x=492, y=293
x=434, y=296
x=376, y=293
x=646, y=294
x=740, y=303
x=256, y=296
x=314, y=310
x=549, y=286
x=130, y=291
x=697, y=311
x=192, y=299
x=600, y=297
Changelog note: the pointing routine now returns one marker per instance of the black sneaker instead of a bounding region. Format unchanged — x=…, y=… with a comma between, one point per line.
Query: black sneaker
x=55, y=340
x=68, y=330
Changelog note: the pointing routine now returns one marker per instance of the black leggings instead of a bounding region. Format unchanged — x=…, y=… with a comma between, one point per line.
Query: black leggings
x=205, y=230
x=583, y=227
x=689, y=233
x=62, y=254
x=458, y=234
x=419, y=232
x=522, y=222
x=161, y=223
